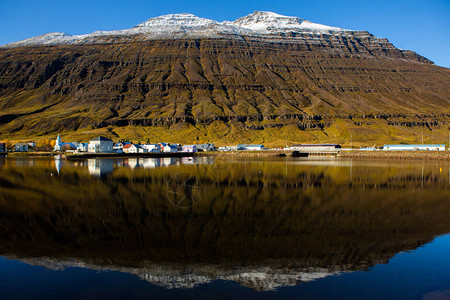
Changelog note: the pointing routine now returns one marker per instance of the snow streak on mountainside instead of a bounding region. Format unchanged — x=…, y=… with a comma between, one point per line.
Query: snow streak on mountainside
x=262, y=24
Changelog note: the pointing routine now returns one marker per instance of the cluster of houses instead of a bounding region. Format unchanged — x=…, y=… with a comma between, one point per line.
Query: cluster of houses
x=17, y=147
x=105, y=145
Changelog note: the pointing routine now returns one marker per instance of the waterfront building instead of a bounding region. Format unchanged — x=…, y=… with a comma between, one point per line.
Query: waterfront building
x=433, y=147
x=2, y=147
x=368, y=149
x=257, y=147
x=170, y=148
x=316, y=147
x=189, y=148
x=130, y=148
x=228, y=148
x=100, y=145
x=152, y=147
x=205, y=147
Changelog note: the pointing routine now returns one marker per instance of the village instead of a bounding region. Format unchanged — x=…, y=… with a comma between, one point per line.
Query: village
x=104, y=145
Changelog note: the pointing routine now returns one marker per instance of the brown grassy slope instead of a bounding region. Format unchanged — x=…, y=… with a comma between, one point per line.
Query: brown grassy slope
x=221, y=90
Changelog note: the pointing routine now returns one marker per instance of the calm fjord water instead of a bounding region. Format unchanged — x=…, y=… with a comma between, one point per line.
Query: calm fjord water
x=202, y=227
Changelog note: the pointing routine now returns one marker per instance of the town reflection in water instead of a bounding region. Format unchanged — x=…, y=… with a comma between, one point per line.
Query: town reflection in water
x=102, y=167
x=182, y=222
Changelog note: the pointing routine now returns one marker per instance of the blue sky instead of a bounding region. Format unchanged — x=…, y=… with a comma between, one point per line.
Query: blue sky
x=418, y=25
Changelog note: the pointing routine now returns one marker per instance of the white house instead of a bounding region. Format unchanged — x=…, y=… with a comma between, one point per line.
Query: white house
x=100, y=145
x=130, y=148
x=170, y=148
x=189, y=148
x=152, y=147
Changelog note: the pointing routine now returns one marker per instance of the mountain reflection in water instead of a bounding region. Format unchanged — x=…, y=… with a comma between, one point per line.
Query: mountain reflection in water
x=183, y=222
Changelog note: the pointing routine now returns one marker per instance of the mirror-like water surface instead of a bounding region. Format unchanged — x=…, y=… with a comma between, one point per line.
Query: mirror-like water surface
x=198, y=227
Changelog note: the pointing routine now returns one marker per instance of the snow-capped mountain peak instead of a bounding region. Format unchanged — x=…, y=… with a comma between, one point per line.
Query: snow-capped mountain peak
x=258, y=24
x=263, y=19
x=45, y=39
x=183, y=19
x=270, y=22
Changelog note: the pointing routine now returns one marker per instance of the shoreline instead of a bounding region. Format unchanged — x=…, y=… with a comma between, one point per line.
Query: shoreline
x=404, y=155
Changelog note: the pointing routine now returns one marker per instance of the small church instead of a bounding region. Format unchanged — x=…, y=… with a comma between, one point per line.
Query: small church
x=58, y=144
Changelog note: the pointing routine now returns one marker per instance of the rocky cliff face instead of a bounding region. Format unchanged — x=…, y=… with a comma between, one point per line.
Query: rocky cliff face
x=247, y=80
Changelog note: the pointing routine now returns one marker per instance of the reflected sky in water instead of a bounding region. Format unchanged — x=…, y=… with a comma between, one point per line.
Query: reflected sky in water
x=196, y=227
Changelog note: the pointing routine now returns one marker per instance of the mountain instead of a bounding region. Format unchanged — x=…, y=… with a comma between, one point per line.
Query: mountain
x=263, y=78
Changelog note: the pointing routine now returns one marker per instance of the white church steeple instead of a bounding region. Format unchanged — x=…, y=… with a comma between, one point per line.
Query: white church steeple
x=58, y=144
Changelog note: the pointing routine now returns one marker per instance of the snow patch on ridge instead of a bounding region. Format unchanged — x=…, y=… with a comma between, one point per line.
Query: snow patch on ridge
x=269, y=22
x=45, y=39
x=177, y=19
